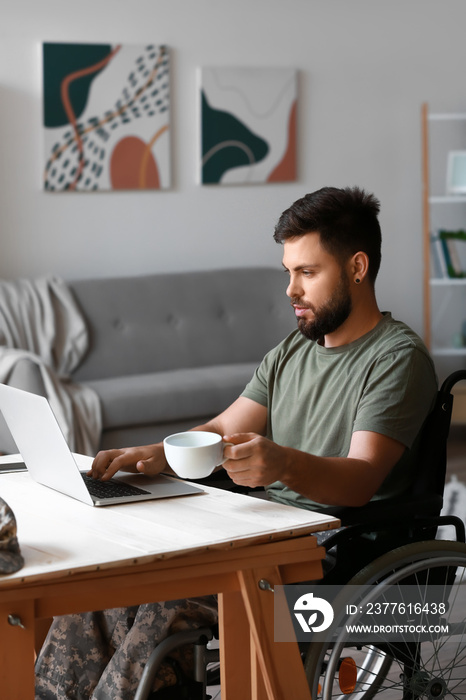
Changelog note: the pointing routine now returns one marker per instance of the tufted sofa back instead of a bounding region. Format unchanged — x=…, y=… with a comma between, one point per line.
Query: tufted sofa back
x=179, y=320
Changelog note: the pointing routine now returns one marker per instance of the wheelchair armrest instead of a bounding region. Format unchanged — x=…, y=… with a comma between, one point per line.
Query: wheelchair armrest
x=403, y=507
x=418, y=512
x=350, y=532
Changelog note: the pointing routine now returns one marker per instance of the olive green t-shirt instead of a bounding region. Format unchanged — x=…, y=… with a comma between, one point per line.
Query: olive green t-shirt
x=317, y=397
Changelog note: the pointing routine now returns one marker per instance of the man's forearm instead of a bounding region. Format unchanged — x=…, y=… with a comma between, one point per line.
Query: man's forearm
x=253, y=460
x=333, y=481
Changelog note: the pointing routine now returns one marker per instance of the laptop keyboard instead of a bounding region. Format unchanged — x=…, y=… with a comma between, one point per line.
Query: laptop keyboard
x=111, y=489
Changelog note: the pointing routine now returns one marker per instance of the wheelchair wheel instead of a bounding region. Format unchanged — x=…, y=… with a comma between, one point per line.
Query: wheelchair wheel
x=432, y=667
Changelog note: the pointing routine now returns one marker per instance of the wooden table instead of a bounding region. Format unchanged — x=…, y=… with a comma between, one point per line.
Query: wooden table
x=80, y=558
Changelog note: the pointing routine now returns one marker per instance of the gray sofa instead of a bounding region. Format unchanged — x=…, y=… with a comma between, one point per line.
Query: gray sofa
x=168, y=351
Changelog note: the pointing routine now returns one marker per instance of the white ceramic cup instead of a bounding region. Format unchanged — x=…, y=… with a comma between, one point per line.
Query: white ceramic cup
x=194, y=454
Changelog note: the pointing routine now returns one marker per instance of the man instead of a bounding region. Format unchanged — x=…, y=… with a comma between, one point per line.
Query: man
x=329, y=420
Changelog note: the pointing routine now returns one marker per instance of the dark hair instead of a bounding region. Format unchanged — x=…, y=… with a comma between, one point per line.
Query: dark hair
x=346, y=220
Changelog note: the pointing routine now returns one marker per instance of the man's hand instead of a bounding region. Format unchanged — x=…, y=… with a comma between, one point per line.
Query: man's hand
x=253, y=460
x=148, y=459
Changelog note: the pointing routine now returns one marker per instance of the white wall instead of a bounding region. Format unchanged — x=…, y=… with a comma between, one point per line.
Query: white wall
x=365, y=68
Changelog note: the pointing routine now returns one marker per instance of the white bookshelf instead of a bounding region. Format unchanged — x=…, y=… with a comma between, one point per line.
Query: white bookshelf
x=440, y=206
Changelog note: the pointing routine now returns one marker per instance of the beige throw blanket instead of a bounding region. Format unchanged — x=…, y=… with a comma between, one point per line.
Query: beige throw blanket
x=40, y=320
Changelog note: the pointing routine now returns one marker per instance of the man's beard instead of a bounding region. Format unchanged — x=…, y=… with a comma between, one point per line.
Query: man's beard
x=330, y=316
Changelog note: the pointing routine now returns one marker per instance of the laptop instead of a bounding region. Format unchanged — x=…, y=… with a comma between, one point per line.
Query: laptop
x=50, y=462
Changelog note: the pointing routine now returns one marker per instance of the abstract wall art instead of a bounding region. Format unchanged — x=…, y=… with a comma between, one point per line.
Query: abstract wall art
x=106, y=117
x=248, y=125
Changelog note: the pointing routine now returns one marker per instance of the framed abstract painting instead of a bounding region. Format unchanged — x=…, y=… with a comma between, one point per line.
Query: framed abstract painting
x=106, y=117
x=248, y=125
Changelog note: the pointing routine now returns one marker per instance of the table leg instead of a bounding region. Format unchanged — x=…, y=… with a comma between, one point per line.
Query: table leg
x=280, y=664
x=259, y=691
x=17, y=650
x=41, y=631
x=234, y=647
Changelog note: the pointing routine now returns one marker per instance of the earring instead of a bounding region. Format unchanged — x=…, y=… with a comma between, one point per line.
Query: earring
x=357, y=280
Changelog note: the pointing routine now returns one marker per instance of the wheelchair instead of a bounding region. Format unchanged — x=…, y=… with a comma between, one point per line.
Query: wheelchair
x=427, y=662
x=384, y=546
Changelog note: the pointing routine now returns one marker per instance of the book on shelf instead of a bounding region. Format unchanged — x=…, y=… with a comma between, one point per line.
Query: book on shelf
x=437, y=257
x=448, y=258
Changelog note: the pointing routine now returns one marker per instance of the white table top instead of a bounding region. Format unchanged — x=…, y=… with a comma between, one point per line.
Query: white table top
x=59, y=535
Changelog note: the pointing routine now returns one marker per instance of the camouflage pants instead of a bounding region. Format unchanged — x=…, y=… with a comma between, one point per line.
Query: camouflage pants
x=101, y=655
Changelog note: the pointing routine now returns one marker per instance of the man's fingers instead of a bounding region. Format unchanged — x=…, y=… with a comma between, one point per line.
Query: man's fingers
x=101, y=463
x=107, y=463
x=239, y=438
x=241, y=445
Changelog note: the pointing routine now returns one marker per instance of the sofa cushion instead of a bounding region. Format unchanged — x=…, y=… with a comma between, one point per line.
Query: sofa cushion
x=160, y=397
x=162, y=322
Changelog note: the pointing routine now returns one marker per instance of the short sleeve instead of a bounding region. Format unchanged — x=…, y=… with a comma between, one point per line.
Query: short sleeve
x=398, y=395
x=258, y=388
